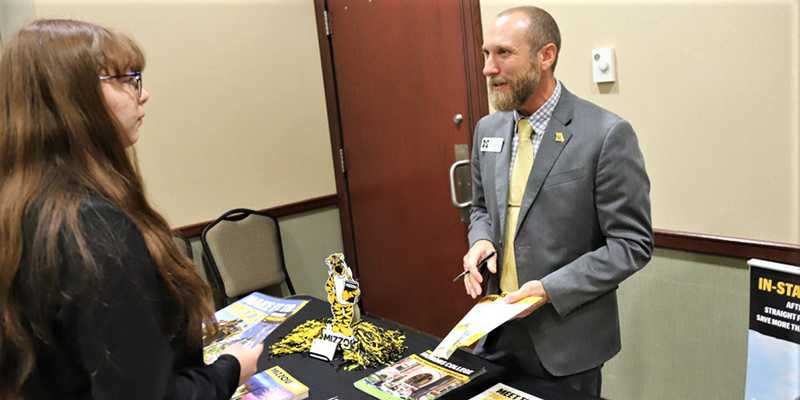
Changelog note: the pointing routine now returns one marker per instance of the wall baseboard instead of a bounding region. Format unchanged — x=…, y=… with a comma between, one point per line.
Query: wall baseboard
x=686, y=241
x=193, y=230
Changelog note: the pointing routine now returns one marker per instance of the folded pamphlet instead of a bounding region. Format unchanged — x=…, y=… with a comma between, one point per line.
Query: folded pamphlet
x=490, y=312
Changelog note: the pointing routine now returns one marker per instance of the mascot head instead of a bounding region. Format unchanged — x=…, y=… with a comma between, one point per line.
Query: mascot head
x=336, y=264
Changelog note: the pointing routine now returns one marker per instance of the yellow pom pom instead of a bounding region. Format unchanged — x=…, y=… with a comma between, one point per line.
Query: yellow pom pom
x=374, y=346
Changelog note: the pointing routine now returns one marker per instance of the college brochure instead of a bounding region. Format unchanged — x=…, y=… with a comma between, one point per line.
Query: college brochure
x=249, y=321
x=417, y=377
x=272, y=384
x=503, y=392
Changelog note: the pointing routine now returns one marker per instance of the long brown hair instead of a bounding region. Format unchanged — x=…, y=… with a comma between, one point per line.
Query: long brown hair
x=59, y=143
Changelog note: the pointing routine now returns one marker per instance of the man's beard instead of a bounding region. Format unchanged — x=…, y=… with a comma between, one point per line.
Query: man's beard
x=520, y=88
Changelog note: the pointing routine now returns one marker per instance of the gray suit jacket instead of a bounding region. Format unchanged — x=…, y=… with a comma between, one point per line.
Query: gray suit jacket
x=584, y=226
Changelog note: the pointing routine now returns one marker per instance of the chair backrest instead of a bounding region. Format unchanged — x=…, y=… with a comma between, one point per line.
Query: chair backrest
x=183, y=245
x=244, y=253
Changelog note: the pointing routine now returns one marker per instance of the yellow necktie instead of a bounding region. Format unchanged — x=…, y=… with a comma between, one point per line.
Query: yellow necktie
x=516, y=188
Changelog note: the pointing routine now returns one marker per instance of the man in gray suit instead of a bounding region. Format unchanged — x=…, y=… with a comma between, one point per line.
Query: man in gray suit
x=582, y=210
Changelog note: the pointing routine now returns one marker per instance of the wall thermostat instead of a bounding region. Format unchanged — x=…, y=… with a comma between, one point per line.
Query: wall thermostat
x=603, y=65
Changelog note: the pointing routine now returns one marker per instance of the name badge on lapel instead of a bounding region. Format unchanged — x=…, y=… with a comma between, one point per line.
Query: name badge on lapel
x=492, y=144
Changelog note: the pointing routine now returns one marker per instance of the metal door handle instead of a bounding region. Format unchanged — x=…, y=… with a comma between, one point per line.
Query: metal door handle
x=453, y=195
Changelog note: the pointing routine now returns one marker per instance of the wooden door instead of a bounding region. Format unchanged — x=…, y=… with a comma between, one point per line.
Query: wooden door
x=403, y=69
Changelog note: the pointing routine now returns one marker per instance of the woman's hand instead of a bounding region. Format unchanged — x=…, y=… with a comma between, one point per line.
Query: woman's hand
x=248, y=358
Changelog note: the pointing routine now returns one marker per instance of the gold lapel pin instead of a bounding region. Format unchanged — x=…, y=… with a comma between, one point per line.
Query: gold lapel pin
x=559, y=137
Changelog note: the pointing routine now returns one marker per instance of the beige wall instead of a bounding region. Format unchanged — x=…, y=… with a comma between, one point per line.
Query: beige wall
x=308, y=239
x=711, y=88
x=13, y=14
x=237, y=114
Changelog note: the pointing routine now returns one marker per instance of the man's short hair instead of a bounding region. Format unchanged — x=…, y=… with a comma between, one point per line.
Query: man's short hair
x=542, y=28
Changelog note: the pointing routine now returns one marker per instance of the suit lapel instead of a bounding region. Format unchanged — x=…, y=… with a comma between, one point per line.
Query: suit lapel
x=549, y=150
x=502, y=170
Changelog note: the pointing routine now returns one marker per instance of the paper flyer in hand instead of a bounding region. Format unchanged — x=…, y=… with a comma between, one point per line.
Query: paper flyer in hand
x=249, y=321
x=490, y=312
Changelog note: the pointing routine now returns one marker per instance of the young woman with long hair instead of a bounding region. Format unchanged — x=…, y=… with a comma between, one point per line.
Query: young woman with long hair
x=96, y=302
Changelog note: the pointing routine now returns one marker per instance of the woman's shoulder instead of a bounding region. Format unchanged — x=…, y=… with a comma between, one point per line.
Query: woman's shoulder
x=98, y=214
x=96, y=207
x=106, y=225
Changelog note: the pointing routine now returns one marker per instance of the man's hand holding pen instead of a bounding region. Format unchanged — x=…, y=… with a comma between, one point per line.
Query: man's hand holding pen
x=474, y=279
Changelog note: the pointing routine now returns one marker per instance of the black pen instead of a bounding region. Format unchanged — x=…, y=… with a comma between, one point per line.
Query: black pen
x=481, y=265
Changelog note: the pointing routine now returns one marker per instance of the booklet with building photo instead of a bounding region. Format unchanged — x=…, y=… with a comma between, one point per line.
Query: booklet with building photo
x=490, y=312
x=419, y=376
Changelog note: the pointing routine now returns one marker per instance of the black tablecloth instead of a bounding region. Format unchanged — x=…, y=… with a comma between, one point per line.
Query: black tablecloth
x=325, y=382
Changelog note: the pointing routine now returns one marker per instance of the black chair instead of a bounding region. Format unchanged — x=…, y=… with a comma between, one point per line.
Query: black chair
x=243, y=253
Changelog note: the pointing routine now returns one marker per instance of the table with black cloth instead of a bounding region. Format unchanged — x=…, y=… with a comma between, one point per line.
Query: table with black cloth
x=325, y=382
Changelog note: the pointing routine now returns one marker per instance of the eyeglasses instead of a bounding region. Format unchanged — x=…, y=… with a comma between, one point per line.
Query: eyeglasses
x=132, y=78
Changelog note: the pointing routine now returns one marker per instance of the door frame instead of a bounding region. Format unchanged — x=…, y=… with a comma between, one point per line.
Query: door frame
x=477, y=98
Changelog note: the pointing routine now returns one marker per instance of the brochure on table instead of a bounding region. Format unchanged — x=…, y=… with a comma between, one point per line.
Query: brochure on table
x=418, y=377
x=502, y=391
x=272, y=384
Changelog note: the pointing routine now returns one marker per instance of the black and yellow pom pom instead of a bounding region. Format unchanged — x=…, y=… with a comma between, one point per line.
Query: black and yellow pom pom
x=374, y=346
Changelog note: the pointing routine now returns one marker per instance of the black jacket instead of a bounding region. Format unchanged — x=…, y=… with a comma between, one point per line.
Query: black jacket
x=112, y=335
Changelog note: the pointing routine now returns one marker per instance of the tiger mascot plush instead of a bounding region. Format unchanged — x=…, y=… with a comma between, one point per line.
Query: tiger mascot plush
x=343, y=292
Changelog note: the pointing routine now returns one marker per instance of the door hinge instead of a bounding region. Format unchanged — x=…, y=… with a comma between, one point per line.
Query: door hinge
x=327, y=24
x=341, y=160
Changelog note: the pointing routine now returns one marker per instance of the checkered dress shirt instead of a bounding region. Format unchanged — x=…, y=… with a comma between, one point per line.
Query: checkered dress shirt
x=538, y=121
